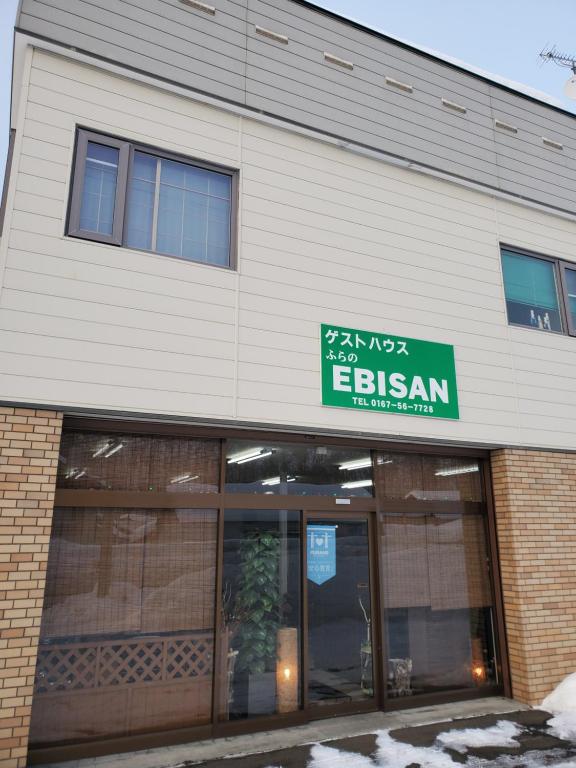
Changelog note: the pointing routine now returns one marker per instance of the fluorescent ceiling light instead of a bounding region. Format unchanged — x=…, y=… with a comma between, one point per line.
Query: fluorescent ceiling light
x=253, y=458
x=357, y=463
x=245, y=454
x=457, y=471
x=357, y=484
x=277, y=481
x=75, y=473
x=183, y=479
x=114, y=450
x=102, y=449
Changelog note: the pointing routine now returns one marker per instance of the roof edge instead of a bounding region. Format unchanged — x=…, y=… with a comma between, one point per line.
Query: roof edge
x=433, y=57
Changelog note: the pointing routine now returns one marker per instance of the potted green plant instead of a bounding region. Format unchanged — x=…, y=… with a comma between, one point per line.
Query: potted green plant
x=257, y=602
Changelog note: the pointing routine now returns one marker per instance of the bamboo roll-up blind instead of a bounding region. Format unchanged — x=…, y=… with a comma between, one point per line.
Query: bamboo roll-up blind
x=94, y=576
x=116, y=571
x=124, y=462
x=435, y=560
x=477, y=561
x=446, y=563
x=406, y=476
x=179, y=574
x=405, y=559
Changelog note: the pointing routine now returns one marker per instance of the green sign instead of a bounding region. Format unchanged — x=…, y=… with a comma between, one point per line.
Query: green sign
x=394, y=374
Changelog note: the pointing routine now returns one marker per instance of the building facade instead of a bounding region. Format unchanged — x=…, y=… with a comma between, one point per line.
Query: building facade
x=286, y=395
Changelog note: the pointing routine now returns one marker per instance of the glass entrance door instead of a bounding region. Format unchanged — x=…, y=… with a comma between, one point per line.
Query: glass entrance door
x=339, y=610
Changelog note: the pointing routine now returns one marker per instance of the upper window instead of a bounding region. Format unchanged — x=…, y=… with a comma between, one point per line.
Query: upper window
x=530, y=285
x=569, y=275
x=130, y=195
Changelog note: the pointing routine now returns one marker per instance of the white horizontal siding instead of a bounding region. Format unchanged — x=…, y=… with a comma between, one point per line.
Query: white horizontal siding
x=324, y=236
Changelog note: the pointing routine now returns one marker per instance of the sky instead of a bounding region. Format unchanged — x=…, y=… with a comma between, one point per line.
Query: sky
x=500, y=36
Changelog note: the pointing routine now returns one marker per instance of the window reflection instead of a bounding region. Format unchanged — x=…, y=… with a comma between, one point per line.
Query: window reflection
x=427, y=478
x=127, y=635
x=438, y=602
x=261, y=613
x=339, y=612
x=125, y=462
x=301, y=470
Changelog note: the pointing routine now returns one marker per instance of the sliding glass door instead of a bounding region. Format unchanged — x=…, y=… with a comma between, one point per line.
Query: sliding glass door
x=339, y=593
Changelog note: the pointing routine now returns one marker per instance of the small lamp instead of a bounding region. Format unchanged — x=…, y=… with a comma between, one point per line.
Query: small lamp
x=287, y=676
x=478, y=668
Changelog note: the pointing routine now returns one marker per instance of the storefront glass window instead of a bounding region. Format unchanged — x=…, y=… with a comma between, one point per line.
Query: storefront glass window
x=427, y=478
x=438, y=603
x=296, y=469
x=124, y=462
x=127, y=635
x=261, y=613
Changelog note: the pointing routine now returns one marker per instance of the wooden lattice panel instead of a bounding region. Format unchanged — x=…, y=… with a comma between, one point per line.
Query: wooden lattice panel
x=64, y=666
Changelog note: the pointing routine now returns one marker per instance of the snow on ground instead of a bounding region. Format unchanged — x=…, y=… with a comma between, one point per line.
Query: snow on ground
x=396, y=754
x=562, y=704
x=328, y=757
x=563, y=697
x=503, y=734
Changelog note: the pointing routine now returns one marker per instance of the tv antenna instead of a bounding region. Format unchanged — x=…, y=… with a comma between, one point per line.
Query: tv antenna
x=562, y=60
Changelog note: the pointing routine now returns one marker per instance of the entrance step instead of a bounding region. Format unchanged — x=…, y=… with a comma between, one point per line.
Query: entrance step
x=336, y=728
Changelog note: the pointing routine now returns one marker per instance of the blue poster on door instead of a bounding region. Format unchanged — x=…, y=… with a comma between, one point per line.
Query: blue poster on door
x=321, y=546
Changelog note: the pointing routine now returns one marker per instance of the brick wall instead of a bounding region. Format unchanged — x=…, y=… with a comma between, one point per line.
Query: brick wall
x=535, y=498
x=29, y=441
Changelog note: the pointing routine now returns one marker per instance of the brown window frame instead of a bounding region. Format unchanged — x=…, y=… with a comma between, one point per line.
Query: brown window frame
x=560, y=267
x=567, y=266
x=127, y=149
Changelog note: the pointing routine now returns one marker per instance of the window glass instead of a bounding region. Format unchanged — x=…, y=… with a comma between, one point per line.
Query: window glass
x=127, y=634
x=124, y=462
x=293, y=468
x=439, y=616
x=261, y=613
x=140, y=214
x=99, y=193
x=339, y=612
x=531, y=295
x=426, y=478
x=179, y=209
x=571, y=291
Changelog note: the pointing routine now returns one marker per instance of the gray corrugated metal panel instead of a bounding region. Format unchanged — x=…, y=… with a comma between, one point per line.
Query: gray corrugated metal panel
x=235, y=8
x=546, y=182
x=200, y=76
x=382, y=102
x=516, y=184
x=343, y=118
x=121, y=23
x=386, y=66
x=396, y=142
x=357, y=41
x=299, y=62
x=521, y=161
x=534, y=117
x=126, y=48
x=536, y=157
x=170, y=17
x=382, y=125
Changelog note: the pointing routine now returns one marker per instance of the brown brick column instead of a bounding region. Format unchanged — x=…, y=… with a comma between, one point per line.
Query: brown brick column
x=535, y=499
x=29, y=441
